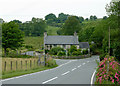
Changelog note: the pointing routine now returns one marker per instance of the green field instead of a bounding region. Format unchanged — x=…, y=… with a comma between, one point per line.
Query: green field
x=52, y=30
x=37, y=42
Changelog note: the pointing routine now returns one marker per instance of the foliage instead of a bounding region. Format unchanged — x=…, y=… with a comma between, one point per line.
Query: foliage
x=50, y=62
x=93, y=49
x=61, y=53
x=55, y=50
x=113, y=74
x=85, y=51
x=75, y=53
x=12, y=37
x=72, y=49
x=93, y=17
x=35, y=27
x=71, y=25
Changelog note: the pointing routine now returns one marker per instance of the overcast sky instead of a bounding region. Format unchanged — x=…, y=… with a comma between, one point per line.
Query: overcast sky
x=24, y=10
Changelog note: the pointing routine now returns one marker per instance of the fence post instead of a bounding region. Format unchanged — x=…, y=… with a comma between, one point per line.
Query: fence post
x=5, y=66
x=11, y=65
x=21, y=64
x=16, y=65
x=26, y=64
x=34, y=63
x=30, y=64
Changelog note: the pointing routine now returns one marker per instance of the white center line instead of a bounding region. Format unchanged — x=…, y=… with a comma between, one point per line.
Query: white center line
x=65, y=73
x=74, y=69
x=49, y=80
x=79, y=66
x=83, y=63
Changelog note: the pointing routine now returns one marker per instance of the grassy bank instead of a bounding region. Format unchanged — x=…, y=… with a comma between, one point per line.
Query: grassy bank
x=31, y=66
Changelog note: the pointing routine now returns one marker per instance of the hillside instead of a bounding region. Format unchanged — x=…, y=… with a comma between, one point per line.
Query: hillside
x=37, y=42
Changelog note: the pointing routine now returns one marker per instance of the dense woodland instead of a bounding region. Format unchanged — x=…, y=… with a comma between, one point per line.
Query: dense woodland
x=93, y=30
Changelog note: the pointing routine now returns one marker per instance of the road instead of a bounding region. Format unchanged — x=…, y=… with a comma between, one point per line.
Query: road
x=68, y=72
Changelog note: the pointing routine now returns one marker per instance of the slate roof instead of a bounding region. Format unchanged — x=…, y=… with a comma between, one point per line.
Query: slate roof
x=84, y=45
x=61, y=40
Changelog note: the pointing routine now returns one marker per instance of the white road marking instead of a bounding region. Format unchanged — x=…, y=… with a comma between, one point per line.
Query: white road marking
x=74, y=69
x=65, y=73
x=83, y=63
x=34, y=73
x=92, y=77
x=79, y=66
x=49, y=80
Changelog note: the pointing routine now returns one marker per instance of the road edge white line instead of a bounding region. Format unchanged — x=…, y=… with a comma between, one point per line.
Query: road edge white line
x=49, y=80
x=34, y=73
x=92, y=77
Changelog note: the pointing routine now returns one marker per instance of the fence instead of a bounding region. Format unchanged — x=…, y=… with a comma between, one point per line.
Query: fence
x=19, y=64
x=15, y=64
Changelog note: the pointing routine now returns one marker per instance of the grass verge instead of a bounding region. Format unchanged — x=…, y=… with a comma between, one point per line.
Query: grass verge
x=18, y=73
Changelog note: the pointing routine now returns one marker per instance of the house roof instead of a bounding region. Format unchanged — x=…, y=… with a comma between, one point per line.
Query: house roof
x=61, y=40
x=84, y=45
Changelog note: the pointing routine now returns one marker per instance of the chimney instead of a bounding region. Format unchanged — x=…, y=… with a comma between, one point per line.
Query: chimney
x=45, y=34
x=75, y=34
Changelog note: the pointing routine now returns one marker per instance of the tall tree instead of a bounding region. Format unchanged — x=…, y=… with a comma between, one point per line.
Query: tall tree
x=71, y=25
x=12, y=36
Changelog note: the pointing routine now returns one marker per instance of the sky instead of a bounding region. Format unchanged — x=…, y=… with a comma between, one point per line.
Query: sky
x=24, y=10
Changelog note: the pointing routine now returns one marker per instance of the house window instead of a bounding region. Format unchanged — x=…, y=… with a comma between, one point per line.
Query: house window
x=50, y=46
x=55, y=45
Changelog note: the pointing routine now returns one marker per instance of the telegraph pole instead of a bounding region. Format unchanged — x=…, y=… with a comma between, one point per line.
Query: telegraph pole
x=108, y=52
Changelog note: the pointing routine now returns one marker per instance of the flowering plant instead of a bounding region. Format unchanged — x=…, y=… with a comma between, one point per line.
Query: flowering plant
x=113, y=73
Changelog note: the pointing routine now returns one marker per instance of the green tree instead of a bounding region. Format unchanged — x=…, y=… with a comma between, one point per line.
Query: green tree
x=71, y=25
x=12, y=37
x=62, y=17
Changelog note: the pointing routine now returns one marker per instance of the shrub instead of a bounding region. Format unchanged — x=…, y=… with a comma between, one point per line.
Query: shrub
x=47, y=51
x=85, y=51
x=19, y=56
x=113, y=74
x=61, y=53
x=55, y=50
x=50, y=62
x=73, y=48
x=75, y=53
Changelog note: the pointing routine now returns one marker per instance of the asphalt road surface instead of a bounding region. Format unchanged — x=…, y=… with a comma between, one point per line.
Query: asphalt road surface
x=68, y=72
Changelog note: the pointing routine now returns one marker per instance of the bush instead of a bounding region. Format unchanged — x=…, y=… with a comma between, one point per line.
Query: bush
x=47, y=51
x=113, y=75
x=61, y=53
x=85, y=51
x=75, y=53
x=19, y=56
x=72, y=49
x=55, y=50
x=50, y=62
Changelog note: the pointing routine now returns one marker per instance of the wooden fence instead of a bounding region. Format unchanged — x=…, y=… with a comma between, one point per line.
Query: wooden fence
x=14, y=65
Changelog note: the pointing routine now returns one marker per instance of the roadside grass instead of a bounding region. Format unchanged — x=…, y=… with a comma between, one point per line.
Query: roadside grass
x=30, y=68
x=22, y=72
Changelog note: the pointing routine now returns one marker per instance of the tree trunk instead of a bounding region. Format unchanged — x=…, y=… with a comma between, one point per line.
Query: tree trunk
x=5, y=52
